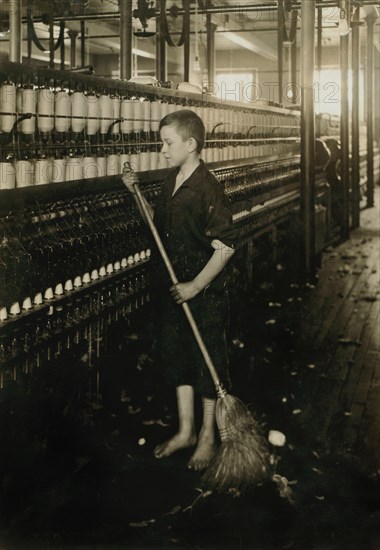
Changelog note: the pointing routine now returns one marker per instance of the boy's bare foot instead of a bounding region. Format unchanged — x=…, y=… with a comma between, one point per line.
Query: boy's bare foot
x=176, y=443
x=203, y=454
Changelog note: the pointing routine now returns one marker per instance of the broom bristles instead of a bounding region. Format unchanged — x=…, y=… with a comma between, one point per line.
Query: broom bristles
x=242, y=460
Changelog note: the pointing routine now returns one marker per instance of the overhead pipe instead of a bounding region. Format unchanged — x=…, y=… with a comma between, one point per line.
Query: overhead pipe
x=126, y=57
x=344, y=135
x=355, y=167
x=237, y=8
x=15, y=51
x=217, y=31
x=307, y=138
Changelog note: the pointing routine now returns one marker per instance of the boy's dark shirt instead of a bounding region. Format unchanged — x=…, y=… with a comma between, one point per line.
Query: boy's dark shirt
x=189, y=221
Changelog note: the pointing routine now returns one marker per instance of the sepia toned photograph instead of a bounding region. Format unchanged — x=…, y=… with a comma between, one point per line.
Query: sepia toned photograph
x=189, y=274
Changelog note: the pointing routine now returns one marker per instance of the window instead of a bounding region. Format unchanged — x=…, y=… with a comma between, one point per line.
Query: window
x=327, y=91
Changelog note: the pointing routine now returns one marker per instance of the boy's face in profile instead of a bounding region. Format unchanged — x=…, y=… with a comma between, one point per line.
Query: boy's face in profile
x=175, y=148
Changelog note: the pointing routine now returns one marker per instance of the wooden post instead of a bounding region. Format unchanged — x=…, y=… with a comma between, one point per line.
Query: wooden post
x=355, y=168
x=307, y=138
x=370, y=111
x=344, y=137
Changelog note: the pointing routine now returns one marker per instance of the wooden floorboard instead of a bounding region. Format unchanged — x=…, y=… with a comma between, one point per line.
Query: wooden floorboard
x=341, y=328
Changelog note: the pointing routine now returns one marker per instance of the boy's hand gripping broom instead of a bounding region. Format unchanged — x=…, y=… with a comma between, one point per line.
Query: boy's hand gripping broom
x=243, y=457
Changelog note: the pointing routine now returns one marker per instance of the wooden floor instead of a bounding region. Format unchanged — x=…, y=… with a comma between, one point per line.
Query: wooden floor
x=339, y=332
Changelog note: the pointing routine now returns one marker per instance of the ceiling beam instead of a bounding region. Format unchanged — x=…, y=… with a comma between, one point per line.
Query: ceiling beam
x=256, y=45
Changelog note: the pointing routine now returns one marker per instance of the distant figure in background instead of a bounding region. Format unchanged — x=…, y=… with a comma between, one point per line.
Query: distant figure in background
x=194, y=219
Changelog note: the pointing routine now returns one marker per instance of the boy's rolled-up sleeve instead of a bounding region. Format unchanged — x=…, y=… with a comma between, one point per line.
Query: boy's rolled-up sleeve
x=219, y=224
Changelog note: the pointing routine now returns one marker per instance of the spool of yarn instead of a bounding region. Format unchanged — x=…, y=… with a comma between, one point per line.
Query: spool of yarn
x=38, y=300
x=8, y=105
x=45, y=109
x=7, y=175
x=62, y=105
x=90, y=167
x=15, y=309
x=116, y=102
x=58, y=289
x=26, y=98
x=138, y=116
x=93, y=112
x=27, y=303
x=146, y=115
x=78, y=111
x=164, y=109
x=42, y=171
x=49, y=295
x=74, y=169
x=144, y=161
x=24, y=170
x=113, y=165
x=78, y=281
x=106, y=113
x=58, y=170
x=68, y=285
x=3, y=314
x=101, y=164
x=153, y=160
x=135, y=161
x=126, y=113
x=155, y=112
x=86, y=278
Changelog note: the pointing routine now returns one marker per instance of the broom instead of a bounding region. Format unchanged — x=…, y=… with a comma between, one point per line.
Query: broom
x=243, y=457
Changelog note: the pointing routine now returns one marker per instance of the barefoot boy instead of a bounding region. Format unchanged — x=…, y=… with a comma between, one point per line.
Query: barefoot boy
x=194, y=220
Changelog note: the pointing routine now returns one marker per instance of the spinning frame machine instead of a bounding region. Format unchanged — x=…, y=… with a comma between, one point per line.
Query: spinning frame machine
x=74, y=252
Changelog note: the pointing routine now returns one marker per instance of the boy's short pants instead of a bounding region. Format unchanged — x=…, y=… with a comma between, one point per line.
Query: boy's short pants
x=181, y=360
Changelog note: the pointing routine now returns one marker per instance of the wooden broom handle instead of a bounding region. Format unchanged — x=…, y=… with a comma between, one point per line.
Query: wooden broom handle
x=173, y=277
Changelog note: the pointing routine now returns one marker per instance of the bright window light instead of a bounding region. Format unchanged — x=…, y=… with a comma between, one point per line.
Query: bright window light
x=327, y=91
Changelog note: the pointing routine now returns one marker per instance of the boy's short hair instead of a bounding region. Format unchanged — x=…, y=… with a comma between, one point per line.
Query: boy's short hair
x=188, y=124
